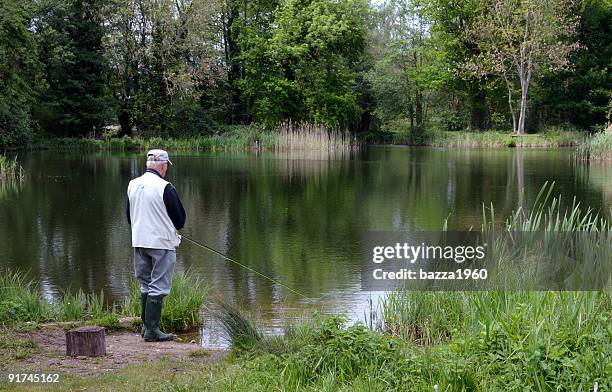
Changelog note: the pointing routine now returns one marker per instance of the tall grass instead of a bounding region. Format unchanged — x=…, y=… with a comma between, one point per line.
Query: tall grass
x=306, y=136
x=542, y=339
x=238, y=328
x=596, y=148
x=21, y=300
x=181, y=310
x=10, y=170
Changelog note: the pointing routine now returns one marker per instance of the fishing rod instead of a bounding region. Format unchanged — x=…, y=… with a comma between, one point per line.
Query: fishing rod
x=243, y=266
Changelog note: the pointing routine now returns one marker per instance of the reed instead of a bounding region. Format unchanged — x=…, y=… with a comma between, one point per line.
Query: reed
x=10, y=170
x=309, y=136
x=596, y=148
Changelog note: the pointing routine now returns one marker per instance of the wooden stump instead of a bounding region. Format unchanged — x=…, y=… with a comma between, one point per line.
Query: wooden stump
x=88, y=341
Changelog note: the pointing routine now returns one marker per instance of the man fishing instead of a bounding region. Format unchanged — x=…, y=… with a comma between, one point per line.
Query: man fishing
x=155, y=213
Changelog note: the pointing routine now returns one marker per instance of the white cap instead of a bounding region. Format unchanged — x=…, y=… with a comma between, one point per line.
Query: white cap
x=158, y=155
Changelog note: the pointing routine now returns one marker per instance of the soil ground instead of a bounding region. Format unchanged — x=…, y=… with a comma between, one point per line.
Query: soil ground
x=122, y=348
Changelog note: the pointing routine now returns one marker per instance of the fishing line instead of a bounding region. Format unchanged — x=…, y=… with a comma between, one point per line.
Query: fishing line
x=243, y=266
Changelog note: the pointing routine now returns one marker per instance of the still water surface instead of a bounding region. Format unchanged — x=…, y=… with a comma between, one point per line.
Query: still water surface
x=299, y=218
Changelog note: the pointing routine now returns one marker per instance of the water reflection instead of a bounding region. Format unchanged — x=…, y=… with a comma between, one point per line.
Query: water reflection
x=299, y=219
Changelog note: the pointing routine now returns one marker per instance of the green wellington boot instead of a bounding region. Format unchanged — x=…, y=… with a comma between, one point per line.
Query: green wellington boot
x=152, y=316
x=143, y=306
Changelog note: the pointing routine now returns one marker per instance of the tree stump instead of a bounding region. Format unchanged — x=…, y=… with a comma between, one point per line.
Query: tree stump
x=87, y=341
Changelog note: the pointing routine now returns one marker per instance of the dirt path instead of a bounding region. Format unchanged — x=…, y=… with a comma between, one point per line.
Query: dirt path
x=122, y=348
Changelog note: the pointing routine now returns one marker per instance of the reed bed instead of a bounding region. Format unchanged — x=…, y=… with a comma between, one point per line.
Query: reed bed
x=596, y=148
x=307, y=136
x=10, y=170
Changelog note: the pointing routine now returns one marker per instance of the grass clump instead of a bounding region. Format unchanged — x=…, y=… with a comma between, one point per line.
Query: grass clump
x=239, y=329
x=10, y=170
x=321, y=353
x=21, y=300
x=181, y=310
x=199, y=353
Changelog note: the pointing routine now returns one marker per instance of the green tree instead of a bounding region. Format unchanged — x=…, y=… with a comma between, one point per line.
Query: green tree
x=408, y=71
x=448, y=21
x=517, y=40
x=70, y=34
x=581, y=94
x=19, y=75
x=305, y=69
x=167, y=73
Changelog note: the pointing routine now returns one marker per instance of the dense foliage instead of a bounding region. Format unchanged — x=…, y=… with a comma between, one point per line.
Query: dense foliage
x=401, y=68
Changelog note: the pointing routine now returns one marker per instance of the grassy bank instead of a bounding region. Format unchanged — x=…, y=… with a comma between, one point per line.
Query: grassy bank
x=21, y=301
x=325, y=353
x=287, y=136
x=499, y=139
x=596, y=148
x=312, y=137
x=533, y=341
x=304, y=138
x=15, y=348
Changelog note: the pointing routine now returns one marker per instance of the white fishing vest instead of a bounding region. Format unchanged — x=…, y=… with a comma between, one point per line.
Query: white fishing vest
x=151, y=224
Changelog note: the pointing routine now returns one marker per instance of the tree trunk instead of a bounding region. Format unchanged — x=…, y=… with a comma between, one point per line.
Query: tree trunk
x=87, y=341
x=509, y=85
x=521, y=124
x=524, y=90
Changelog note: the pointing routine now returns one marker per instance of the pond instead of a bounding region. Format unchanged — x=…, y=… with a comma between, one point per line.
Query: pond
x=297, y=217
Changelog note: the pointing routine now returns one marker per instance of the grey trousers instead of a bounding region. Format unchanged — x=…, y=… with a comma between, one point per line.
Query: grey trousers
x=154, y=269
